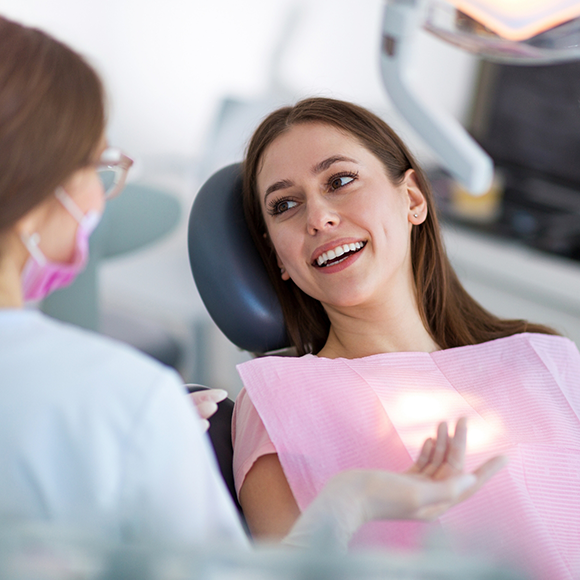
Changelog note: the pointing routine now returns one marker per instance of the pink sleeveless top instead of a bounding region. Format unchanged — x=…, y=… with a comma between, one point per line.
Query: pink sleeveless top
x=520, y=393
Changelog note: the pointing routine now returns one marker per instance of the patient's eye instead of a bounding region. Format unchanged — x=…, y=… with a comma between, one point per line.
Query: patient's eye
x=279, y=206
x=340, y=180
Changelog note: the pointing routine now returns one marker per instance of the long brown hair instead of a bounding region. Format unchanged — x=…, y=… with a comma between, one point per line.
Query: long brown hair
x=449, y=313
x=52, y=117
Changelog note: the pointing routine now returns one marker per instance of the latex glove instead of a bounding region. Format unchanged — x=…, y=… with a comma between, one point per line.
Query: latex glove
x=205, y=402
x=431, y=486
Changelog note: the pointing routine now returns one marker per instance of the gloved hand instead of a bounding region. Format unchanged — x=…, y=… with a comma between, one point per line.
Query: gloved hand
x=432, y=485
x=205, y=402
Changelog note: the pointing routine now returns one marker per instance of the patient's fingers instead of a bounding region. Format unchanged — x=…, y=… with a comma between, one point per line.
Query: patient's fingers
x=206, y=401
x=439, y=450
x=206, y=408
x=456, y=451
x=488, y=470
x=454, y=461
x=215, y=395
x=423, y=458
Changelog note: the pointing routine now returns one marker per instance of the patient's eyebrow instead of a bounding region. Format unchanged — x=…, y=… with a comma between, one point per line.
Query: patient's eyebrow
x=282, y=184
x=323, y=165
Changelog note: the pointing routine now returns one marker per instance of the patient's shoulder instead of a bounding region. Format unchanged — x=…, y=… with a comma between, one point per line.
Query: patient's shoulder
x=249, y=437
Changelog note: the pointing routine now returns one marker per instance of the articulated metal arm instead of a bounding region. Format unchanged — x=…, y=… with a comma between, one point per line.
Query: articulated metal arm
x=457, y=151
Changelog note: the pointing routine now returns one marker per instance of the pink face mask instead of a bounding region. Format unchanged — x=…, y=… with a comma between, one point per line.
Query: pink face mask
x=40, y=277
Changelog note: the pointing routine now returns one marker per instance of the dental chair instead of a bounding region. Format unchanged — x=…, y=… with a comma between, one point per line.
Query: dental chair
x=220, y=434
x=233, y=285
x=228, y=270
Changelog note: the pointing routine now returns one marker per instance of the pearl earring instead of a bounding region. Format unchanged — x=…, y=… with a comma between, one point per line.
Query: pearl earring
x=415, y=215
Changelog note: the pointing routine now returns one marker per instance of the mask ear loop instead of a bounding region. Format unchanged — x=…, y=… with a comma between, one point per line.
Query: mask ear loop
x=31, y=243
x=69, y=204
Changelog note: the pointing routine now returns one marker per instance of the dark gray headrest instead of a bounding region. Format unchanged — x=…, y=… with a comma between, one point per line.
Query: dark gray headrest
x=227, y=269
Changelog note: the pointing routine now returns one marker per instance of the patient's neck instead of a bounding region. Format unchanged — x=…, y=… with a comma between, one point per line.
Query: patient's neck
x=356, y=333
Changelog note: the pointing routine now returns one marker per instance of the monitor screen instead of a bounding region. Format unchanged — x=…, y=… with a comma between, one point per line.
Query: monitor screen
x=528, y=117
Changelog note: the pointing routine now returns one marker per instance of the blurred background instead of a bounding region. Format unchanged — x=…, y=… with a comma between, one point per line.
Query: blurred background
x=187, y=83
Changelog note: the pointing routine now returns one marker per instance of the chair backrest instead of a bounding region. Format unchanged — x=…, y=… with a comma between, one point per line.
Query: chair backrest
x=228, y=271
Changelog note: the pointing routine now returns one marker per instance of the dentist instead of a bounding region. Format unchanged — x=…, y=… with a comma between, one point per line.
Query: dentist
x=92, y=433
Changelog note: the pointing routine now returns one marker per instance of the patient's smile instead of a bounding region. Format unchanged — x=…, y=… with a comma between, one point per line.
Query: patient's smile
x=338, y=254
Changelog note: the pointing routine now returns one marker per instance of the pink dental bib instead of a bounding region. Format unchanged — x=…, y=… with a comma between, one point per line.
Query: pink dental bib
x=522, y=397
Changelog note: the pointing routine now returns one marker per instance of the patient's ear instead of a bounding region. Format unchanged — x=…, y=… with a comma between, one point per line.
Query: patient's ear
x=283, y=274
x=417, y=203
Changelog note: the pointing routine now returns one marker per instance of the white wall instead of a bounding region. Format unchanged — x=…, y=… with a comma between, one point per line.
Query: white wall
x=167, y=63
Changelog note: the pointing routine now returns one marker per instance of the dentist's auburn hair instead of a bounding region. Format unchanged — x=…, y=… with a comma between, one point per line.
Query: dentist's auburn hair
x=52, y=117
x=449, y=313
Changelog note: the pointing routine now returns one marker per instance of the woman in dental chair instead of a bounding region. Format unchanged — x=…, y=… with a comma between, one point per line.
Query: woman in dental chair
x=389, y=341
x=95, y=436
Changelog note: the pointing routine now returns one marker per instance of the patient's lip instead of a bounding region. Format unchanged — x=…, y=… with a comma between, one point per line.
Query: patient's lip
x=332, y=245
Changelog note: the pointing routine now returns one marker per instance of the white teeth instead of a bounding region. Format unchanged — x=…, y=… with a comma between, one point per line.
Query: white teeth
x=337, y=252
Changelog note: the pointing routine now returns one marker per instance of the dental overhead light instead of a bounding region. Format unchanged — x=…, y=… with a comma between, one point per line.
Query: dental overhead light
x=505, y=31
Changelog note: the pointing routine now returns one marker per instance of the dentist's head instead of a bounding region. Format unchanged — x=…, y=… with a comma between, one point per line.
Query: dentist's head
x=52, y=121
x=52, y=118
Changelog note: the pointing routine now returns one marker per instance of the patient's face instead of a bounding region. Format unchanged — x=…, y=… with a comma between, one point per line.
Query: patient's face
x=340, y=228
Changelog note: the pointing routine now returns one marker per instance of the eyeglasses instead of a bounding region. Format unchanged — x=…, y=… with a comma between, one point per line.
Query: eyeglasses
x=112, y=169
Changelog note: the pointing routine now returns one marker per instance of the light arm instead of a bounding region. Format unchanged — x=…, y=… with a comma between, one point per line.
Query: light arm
x=457, y=151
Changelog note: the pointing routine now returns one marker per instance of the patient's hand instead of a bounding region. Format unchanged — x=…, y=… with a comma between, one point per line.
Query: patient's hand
x=434, y=483
x=431, y=486
x=205, y=402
